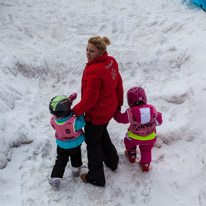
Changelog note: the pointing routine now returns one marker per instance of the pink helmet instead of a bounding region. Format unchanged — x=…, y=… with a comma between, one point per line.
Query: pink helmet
x=136, y=94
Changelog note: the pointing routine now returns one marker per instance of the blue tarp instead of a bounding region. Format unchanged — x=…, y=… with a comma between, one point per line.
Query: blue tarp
x=200, y=3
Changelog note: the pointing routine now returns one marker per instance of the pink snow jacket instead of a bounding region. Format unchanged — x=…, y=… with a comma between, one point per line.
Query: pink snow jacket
x=143, y=121
x=65, y=131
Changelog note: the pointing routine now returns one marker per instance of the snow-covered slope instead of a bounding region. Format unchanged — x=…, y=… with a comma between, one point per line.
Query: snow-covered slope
x=159, y=45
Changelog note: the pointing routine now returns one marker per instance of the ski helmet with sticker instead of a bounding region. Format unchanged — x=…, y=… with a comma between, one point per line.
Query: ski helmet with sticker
x=60, y=106
x=136, y=94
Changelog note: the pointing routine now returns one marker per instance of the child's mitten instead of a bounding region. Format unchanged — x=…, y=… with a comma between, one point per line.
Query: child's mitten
x=72, y=97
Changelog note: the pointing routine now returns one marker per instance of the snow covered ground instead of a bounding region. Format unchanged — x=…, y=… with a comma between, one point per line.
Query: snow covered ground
x=160, y=45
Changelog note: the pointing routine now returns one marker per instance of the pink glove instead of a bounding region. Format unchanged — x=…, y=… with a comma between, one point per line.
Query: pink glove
x=72, y=97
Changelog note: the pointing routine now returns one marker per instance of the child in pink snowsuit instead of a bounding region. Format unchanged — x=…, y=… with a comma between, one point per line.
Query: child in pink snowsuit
x=143, y=119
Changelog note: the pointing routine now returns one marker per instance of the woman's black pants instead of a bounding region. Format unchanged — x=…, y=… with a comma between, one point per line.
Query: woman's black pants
x=99, y=149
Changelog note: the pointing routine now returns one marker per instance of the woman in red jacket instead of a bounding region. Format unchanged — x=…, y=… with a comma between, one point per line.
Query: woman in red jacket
x=102, y=93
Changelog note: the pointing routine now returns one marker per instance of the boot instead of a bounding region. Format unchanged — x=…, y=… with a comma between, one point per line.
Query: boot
x=131, y=155
x=76, y=171
x=144, y=166
x=55, y=181
x=86, y=179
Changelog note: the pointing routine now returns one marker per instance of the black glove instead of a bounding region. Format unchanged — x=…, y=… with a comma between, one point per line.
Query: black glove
x=119, y=108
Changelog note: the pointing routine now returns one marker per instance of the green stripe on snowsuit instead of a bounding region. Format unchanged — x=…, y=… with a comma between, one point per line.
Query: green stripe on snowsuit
x=137, y=137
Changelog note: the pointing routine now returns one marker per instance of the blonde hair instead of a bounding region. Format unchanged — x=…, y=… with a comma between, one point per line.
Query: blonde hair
x=100, y=42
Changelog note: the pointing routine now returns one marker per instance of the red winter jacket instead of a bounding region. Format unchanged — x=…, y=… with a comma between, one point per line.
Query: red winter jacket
x=102, y=90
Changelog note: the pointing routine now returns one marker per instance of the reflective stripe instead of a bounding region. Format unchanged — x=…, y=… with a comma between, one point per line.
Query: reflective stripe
x=149, y=137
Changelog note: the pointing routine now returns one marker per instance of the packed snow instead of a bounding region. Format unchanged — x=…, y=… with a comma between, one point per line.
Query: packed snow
x=160, y=45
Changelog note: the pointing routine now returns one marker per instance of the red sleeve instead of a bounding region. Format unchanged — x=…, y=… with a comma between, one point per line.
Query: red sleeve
x=119, y=91
x=90, y=96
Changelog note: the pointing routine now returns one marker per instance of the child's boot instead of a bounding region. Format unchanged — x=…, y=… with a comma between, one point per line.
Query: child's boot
x=144, y=166
x=76, y=171
x=55, y=181
x=131, y=154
